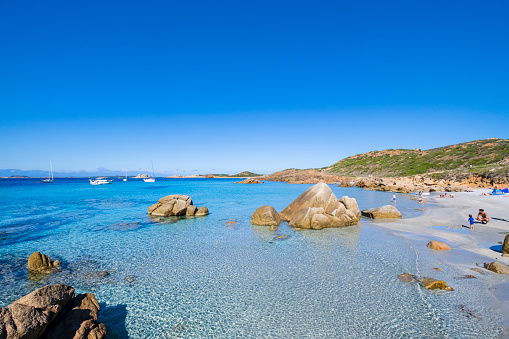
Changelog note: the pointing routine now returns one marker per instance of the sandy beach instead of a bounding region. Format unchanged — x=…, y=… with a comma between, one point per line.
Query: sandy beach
x=446, y=220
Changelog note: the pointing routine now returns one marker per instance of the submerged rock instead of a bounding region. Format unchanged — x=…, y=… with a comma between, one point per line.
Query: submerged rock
x=407, y=277
x=478, y=270
x=40, y=263
x=52, y=312
x=319, y=208
x=497, y=267
x=266, y=216
x=437, y=245
x=426, y=282
x=383, y=212
x=176, y=205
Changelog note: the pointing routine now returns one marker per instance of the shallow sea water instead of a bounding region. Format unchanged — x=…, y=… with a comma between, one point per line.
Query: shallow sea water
x=208, y=278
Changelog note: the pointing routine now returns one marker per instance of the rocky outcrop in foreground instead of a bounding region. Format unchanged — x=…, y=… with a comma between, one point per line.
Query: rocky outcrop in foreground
x=265, y=216
x=383, y=212
x=426, y=282
x=319, y=208
x=40, y=263
x=249, y=181
x=52, y=312
x=176, y=205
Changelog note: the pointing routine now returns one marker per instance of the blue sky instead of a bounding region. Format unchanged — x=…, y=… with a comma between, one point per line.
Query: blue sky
x=201, y=86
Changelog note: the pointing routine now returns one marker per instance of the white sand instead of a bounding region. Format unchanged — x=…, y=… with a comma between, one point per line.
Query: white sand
x=468, y=247
x=453, y=213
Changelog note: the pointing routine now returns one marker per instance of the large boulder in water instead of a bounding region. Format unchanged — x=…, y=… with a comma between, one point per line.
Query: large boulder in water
x=175, y=205
x=40, y=263
x=319, y=200
x=265, y=216
x=383, y=212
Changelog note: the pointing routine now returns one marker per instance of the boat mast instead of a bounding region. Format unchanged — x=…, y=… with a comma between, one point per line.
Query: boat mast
x=153, y=175
x=51, y=170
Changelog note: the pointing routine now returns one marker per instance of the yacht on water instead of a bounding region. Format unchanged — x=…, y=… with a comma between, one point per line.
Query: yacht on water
x=153, y=177
x=99, y=181
x=125, y=179
x=50, y=175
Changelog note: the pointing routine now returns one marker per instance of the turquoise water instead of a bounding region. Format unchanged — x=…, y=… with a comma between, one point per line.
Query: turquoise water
x=204, y=278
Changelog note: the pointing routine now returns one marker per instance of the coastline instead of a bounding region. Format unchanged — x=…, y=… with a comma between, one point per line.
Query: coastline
x=447, y=222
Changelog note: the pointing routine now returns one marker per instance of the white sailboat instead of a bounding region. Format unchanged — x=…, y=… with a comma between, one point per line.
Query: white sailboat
x=125, y=179
x=50, y=175
x=153, y=177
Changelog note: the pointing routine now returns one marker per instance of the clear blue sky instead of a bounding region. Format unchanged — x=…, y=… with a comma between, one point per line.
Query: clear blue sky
x=216, y=86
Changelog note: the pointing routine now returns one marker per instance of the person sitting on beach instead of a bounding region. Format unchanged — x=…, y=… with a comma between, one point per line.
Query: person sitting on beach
x=484, y=193
x=451, y=196
x=443, y=195
x=483, y=217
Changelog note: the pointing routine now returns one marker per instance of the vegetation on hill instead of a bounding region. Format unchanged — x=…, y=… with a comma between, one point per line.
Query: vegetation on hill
x=477, y=157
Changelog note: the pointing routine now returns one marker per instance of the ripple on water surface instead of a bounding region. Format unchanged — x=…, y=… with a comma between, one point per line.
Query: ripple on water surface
x=211, y=277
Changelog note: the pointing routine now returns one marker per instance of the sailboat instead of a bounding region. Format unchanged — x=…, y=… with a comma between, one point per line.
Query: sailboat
x=125, y=179
x=50, y=175
x=153, y=177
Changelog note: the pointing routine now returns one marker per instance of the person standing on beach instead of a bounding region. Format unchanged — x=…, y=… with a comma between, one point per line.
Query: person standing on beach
x=471, y=221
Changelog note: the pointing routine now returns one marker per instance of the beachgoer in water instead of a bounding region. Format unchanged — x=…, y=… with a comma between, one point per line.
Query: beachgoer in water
x=421, y=199
x=483, y=217
x=471, y=221
x=393, y=196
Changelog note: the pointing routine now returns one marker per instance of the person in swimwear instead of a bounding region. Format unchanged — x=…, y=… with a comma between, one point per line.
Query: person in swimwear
x=483, y=217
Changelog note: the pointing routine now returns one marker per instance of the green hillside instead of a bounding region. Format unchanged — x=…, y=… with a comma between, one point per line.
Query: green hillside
x=476, y=156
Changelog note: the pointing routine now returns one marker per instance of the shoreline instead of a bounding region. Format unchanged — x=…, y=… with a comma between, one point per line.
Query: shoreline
x=447, y=222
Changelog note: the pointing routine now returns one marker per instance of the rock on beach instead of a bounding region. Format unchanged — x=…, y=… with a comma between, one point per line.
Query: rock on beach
x=505, y=246
x=497, y=267
x=383, y=212
x=437, y=245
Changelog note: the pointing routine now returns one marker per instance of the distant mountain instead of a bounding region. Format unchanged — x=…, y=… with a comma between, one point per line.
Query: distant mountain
x=43, y=174
x=479, y=156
